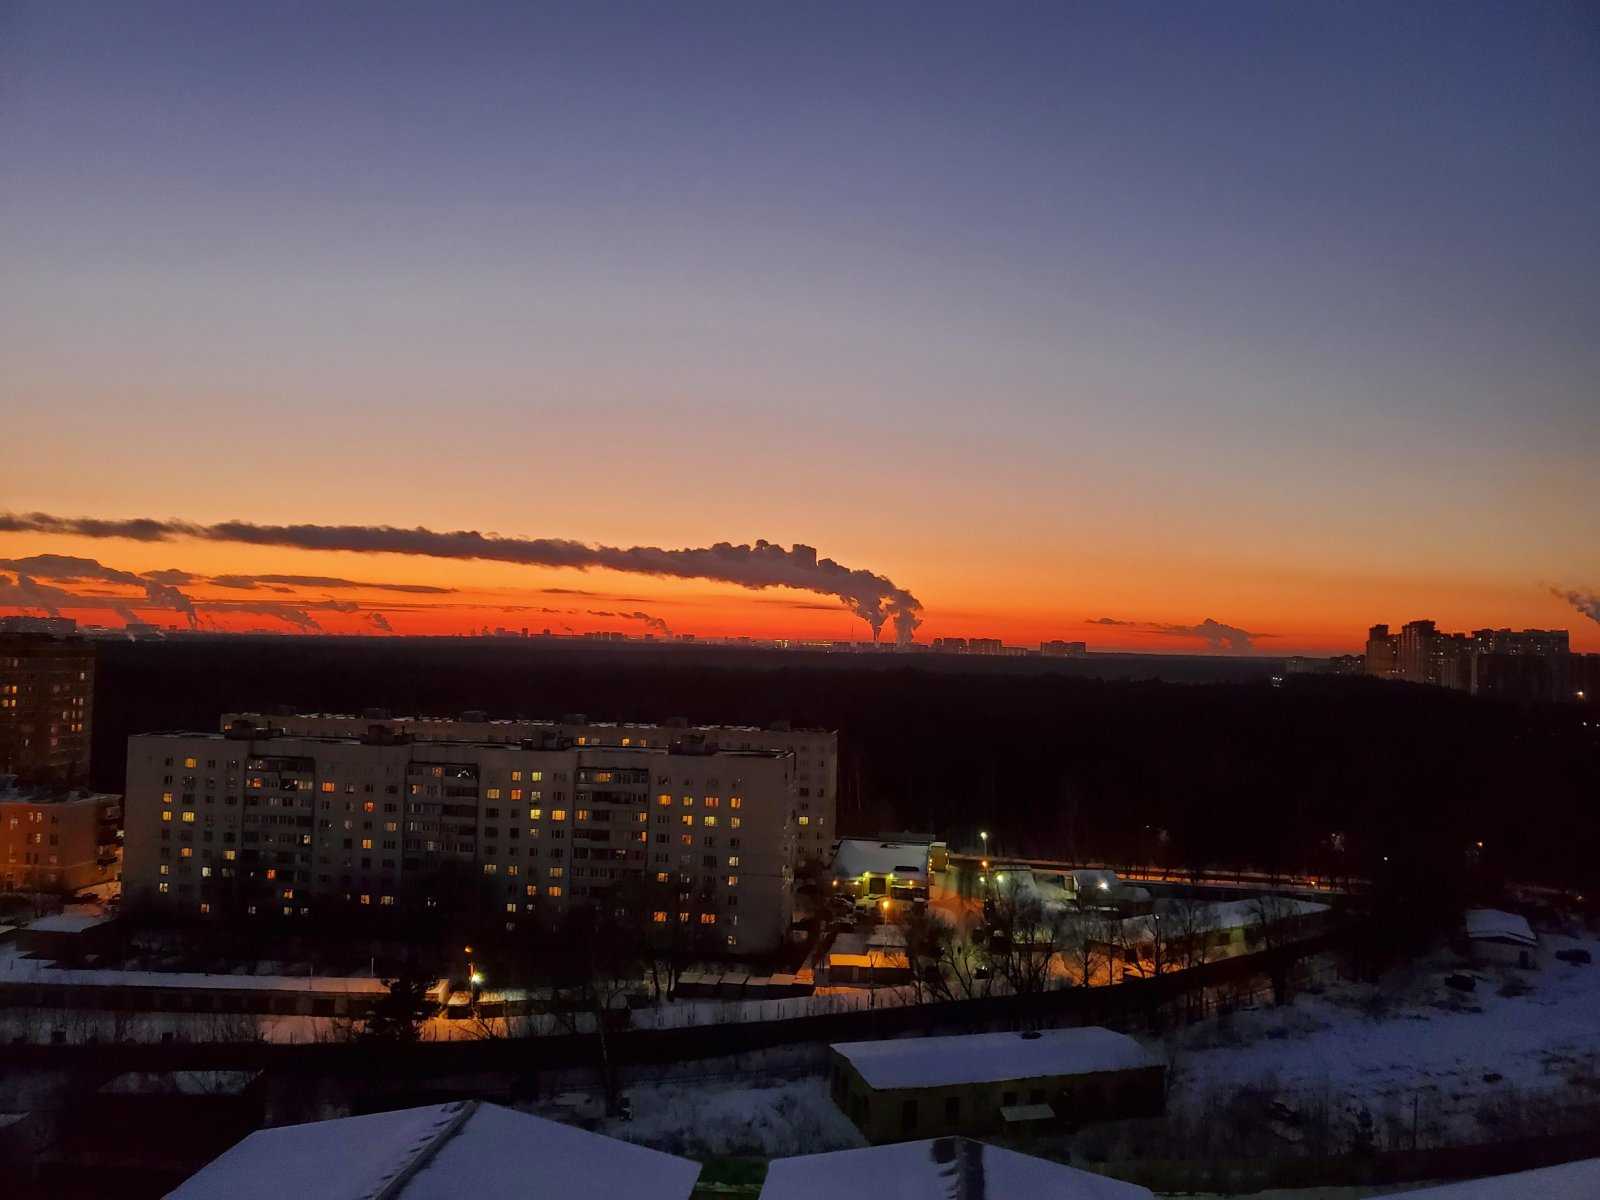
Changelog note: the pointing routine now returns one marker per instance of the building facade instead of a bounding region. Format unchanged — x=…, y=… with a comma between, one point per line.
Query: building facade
x=1524, y=664
x=816, y=751
x=257, y=821
x=46, y=707
x=52, y=840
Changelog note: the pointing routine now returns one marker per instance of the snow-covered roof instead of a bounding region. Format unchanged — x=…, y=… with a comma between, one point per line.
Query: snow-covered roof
x=1492, y=923
x=16, y=969
x=439, y=1152
x=69, y=922
x=1570, y=1181
x=910, y=1171
x=993, y=1057
x=857, y=856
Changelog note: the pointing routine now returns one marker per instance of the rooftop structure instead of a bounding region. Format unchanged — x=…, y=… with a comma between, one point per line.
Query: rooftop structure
x=1492, y=924
x=931, y=1168
x=993, y=1057
x=438, y=1152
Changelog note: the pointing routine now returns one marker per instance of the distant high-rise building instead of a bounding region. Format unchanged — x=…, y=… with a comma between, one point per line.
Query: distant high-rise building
x=1527, y=664
x=46, y=707
x=1064, y=649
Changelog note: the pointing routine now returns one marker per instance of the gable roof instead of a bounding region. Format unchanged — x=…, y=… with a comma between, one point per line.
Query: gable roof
x=1570, y=1181
x=856, y=856
x=993, y=1057
x=1501, y=926
x=918, y=1170
x=438, y=1152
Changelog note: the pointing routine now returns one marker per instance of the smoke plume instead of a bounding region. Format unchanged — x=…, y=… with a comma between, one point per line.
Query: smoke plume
x=66, y=567
x=379, y=621
x=1218, y=637
x=1588, y=603
x=872, y=597
x=655, y=623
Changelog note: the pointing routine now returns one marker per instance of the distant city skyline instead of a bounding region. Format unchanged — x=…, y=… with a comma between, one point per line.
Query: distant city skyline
x=1227, y=329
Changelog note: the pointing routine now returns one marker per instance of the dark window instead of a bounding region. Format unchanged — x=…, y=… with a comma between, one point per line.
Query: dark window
x=952, y=1108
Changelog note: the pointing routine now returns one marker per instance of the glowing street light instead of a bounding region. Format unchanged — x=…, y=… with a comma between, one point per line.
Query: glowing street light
x=477, y=979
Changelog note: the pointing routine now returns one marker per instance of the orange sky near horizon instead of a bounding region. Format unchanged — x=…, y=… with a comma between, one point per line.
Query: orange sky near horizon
x=1290, y=611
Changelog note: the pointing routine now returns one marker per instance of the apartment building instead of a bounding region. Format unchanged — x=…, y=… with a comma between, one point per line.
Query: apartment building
x=816, y=751
x=46, y=702
x=1525, y=664
x=258, y=820
x=54, y=840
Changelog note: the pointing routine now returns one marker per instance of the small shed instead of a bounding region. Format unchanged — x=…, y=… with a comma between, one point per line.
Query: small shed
x=68, y=936
x=1503, y=938
x=913, y=1087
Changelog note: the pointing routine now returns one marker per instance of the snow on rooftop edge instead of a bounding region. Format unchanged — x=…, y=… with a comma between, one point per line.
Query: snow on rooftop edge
x=476, y=1149
x=1493, y=923
x=1570, y=1181
x=993, y=1057
x=908, y=1171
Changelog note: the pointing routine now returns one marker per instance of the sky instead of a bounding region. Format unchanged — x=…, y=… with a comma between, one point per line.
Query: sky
x=1281, y=317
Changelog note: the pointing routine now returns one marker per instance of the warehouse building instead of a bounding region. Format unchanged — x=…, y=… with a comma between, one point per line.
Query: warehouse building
x=907, y=1088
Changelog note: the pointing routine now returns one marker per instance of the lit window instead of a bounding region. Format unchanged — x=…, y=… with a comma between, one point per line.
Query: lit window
x=805, y=820
x=663, y=877
x=191, y=762
x=664, y=801
x=557, y=872
x=558, y=814
x=386, y=901
x=188, y=816
x=688, y=818
x=163, y=887
x=366, y=899
x=516, y=793
x=708, y=918
x=230, y=855
x=516, y=777
x=688, y=801
x=491, y=868
x=166, y=815
x=735, y=802
x=535, y=814
x=166, y=869
x=733, y=822
x=709, y=819
x=493, y=793
x=366, y=843
x=711, y=802
x=535, y=776
x=166, y=797
x=552, y=890
x=185, y=851
x=204, y=907
x=511, y=906
x=329, y=786
x=660, y=917
x=733, y=881
x=733, y=860
x=583, y=814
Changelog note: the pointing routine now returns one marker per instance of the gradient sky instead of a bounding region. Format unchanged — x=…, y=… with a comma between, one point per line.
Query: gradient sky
x=1282, y=315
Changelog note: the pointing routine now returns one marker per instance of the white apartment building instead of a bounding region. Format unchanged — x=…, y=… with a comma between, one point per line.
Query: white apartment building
x=259, y=821
x=816, y=751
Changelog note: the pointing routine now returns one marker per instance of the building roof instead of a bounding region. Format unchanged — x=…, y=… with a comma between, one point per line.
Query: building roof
x=438, y=1152
x=68, y=922
x=18, y=969
x=1491, y=923
x=1570, y=1181
x=910, y=1171
x=993, y=1057
x=857, y=856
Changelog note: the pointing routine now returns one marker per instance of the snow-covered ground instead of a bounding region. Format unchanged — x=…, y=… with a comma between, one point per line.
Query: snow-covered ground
x=718, y=1118
x=1416, y=1054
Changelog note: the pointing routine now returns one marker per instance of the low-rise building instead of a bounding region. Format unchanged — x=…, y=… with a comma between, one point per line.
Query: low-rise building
x=872, y=867
x=907, y=1088
x=56, y=840
x=439, y=1152
x=937, y=1167
x=1499, y=937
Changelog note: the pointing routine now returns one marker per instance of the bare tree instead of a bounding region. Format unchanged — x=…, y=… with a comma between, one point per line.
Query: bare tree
x=1086, y=948
x=1026, y=936
x=1272, y=926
